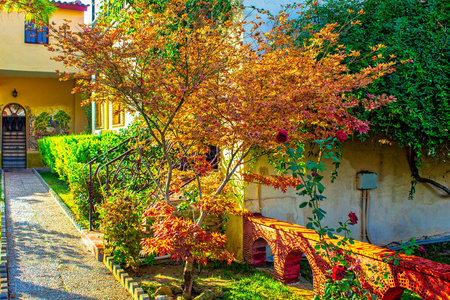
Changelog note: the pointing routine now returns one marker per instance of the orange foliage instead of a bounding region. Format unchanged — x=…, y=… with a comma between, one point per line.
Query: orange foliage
x=277, y=182
x=181, y=238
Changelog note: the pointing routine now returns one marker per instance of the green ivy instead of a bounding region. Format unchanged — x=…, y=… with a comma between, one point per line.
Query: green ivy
x=413, y=30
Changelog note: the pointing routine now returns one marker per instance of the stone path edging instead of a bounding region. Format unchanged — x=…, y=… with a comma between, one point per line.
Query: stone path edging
x=124, y=278
x=61, y=203
x=4, y=245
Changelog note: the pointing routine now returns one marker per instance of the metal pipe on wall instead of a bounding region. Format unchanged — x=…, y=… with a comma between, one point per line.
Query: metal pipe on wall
x=365, y=205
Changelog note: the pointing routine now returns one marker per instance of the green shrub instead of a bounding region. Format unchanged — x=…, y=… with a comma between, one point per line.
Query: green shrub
x=122, y=215
x=66, y=156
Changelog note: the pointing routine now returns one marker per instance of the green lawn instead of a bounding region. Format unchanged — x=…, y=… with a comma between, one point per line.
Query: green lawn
x=237, y=281
x=60, y=187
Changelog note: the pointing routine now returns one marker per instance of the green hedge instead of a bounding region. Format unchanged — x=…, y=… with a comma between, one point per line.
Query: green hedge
x=66, y=156
x=60, y=153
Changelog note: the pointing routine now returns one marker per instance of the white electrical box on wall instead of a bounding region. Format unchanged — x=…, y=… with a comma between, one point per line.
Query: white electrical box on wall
x=366, y=180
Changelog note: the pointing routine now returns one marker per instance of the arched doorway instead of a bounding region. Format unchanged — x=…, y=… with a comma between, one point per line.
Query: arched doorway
x=14, y=137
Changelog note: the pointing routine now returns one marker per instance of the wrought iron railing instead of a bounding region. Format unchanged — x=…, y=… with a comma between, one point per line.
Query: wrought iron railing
x=101, y=177
x=128, y=168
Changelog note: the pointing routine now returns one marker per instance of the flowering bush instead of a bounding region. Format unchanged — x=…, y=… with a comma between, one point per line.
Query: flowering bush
x=121, y=221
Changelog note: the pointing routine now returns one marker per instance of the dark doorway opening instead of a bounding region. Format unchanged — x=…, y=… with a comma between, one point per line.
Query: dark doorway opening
x=14, y=137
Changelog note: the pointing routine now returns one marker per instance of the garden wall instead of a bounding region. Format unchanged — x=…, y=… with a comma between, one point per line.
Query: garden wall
x=392, y=217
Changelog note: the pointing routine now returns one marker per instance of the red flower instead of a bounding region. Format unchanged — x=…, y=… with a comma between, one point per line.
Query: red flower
x=341, y=135
x=338, y=273
x=282, y=136
x=353, y=218
x=422, y=250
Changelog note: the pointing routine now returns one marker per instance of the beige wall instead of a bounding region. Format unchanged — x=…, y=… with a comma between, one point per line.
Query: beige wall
x=16, y=55
x=392, y=217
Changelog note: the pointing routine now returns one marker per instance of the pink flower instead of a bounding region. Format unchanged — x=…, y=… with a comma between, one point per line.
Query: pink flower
x=282, y=136
x=353, y=218
x=422, y=250
x=340, y=135
x=338, y=273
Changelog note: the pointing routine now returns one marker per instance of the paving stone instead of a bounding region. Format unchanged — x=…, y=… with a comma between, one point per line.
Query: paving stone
x=46, y=258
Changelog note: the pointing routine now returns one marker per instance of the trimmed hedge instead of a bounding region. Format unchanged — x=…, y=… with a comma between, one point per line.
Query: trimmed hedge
x=66, y=156
x=60, y=153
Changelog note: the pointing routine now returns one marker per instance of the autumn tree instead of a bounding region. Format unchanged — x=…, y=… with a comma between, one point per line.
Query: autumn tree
x=194, y=82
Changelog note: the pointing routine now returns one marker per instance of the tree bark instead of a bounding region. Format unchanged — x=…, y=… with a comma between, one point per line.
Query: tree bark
x=188, y=279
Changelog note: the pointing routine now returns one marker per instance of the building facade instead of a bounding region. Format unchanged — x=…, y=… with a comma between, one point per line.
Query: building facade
x=34, y=102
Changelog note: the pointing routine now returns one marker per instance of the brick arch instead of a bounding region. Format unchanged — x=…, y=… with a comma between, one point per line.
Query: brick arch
x=428, y=279
x=394, y=293
x=401, y=280
x=292, y=270
x=291, y=266
x=258, y=251
x=425, y=279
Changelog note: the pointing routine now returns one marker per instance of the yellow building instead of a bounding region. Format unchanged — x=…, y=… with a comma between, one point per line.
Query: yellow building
x=107, y=117
x=33, y=101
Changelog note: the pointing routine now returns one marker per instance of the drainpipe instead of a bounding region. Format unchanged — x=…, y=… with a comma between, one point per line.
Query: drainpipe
x=362, y=215
x=366, y=217
x=93, y=117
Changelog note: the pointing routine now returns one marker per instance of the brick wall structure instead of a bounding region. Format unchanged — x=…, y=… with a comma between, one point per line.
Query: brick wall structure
x=289, y=242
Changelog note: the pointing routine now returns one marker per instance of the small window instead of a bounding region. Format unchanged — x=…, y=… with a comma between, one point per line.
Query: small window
x=118, y=115
x=36, y=34
x=99, y=115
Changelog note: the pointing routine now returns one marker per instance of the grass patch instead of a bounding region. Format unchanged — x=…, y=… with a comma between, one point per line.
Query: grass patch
x=233, y=282
x=248, y=283
x=62, y=189
x=408, y=295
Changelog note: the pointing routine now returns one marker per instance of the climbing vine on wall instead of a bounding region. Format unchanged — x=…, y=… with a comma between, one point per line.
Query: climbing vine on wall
x=416, y=32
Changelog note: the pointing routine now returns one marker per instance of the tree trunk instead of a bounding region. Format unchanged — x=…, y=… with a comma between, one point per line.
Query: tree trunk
x=188, y=279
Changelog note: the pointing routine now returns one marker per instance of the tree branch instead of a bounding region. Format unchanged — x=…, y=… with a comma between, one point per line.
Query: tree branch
x=411, y=157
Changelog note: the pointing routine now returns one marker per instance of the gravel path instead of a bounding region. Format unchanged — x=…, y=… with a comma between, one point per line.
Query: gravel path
x=46, y=258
